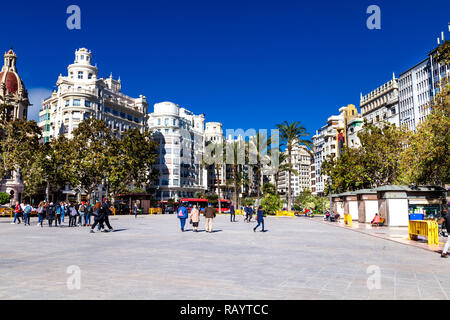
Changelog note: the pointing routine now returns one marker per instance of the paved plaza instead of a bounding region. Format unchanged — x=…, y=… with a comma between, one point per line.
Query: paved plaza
x=149, y=258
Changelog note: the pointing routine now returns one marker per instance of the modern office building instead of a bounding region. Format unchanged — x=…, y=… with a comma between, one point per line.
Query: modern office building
x=181, y=139
x=81, y=94
x=14, y=96
x=417, y=87
x=381, y=104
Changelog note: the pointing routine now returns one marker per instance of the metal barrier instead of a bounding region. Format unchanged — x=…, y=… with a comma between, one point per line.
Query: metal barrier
x=348, y=219
x=426, y=228
x=283, y=213
x=6, y=212
x=155, y=211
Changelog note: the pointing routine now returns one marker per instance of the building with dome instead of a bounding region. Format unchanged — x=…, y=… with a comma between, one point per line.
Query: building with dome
x=81, y=95
x=180, y=135
x=14, y=97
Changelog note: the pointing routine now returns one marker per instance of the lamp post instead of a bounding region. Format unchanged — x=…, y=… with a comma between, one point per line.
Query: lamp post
x=330, y=181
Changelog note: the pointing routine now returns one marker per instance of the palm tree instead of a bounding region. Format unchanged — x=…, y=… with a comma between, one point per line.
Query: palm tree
x=291, y=135
x=261, y=144
x=238, y=179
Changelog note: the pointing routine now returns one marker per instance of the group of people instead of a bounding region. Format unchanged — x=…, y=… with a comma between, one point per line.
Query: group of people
x=79, y=214
x=210, y=214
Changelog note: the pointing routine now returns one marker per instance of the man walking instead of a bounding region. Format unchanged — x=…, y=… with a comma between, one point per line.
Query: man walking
x=210, y=214
x=17, y=212
x=232, y=213
x=259, y=219
x=182, y=215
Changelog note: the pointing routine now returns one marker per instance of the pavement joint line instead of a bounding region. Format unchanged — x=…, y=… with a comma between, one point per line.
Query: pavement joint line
x=376, y=236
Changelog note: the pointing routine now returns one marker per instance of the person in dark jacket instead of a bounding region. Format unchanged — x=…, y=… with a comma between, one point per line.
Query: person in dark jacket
x=50, y=213
x=210, y=214
x=232, y=213
x=447, y=244
x=106, y=212
x=97, y=212
x=259, y=219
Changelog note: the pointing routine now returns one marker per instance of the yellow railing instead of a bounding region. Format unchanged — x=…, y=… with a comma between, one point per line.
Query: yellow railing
x=6, y=212
x=348, y=219
x=426, y=228
x=154, y=211
x=283, y=213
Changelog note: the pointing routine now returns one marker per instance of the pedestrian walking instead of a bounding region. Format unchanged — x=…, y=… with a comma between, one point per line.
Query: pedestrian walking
x=98, y=215
x=63, y=210
x=195, y=218
x=447, y=244
x=135, y=210
x=246, y=213
x=40, y=212
x=17, y=212
x=50, y=214
x=106, y=212
x=88, y=214
x=82, y=213
x=210, y=214
x=250, y=213
x=259, y=219
x=57, y=214
x=72, y=215
x=182, y=215
x=27, y=213
x=232, y=213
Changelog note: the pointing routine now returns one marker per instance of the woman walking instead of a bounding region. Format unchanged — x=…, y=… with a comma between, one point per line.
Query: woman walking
x=41, y=213
x=63, y=211
x=17, y=212
x=182, y=215
x=98, y=216
x=195, y=217
x=72, y=215
x=259, y=219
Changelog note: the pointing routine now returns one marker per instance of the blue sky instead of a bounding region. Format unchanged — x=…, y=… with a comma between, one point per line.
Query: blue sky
x=247, y=64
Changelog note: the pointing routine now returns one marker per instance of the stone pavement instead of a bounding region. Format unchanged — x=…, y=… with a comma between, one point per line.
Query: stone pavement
x=397, y=234
x=149, y=258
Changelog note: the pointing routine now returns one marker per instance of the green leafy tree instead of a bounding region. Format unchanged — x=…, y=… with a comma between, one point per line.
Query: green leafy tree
x=426, y=160
x=269, y=188
x=91, y=154
x=131, y=160
x=271, y=203
x=4, y=198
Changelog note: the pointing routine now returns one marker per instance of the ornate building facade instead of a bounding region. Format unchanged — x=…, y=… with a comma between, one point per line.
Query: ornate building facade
x=14, y=97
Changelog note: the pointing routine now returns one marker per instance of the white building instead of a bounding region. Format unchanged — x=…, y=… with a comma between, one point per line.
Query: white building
x=301, y=162
x=81, y=94
x=14, y=95
x=381, y=104
x=180, y=134
x=417, y=87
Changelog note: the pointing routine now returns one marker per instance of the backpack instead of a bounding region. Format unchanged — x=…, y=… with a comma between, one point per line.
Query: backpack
x=27, y=209
x=180, y=213
x=82, y=208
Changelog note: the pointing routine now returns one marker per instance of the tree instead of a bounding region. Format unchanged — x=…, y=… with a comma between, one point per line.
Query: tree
x=269, y=188
x=130, y=161
x=91, y=154
x=426, y=160
x=291, y=135
x=375, y=163
x=4, y=198
x=271, y=203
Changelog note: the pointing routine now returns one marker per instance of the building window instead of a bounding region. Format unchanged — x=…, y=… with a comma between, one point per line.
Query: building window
x=76, y=102
x=90, y=76
x=80, y=74
x=87, y=103
x=67, y=103
x=159, y=122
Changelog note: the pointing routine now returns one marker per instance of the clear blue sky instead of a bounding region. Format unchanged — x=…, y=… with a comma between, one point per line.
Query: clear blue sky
x=247, y=64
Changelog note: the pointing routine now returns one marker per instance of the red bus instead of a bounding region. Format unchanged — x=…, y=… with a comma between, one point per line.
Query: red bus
x=203, y=203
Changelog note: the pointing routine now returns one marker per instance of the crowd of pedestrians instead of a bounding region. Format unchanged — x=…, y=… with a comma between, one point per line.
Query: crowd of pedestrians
x=78, y=213
x=210, y=213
